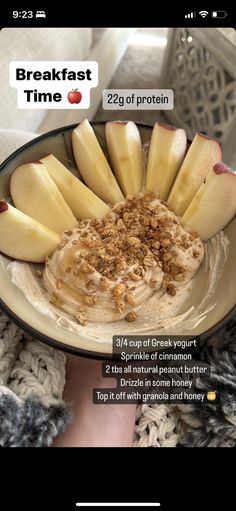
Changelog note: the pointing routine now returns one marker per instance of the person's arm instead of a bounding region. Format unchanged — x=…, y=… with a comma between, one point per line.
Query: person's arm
x=94, y=425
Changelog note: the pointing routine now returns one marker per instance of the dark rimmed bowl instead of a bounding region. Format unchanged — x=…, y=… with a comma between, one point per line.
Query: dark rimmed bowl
x=21, y=312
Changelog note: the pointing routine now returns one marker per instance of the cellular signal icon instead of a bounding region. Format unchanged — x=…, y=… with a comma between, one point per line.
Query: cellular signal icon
x=203, y=14
x=190, y=15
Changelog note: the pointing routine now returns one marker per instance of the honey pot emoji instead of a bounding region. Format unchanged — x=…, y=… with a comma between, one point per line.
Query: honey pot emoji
x=211, y=395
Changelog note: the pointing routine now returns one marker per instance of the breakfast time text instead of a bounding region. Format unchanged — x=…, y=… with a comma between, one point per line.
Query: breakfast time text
x=59, y=84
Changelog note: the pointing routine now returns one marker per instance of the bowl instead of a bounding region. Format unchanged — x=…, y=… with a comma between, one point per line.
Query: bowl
x=15, y=305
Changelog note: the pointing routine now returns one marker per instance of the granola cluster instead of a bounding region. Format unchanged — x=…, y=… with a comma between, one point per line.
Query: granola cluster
x=137, y=232
x=139, y=235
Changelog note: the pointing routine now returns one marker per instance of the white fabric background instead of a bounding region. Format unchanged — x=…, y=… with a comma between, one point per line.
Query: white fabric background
x=10, y=140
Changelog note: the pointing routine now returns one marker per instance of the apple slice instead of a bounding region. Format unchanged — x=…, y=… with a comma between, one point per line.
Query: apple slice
x=93, y=165
x=22, y=237
x=166, y=153
x=82, y=201
x=202, y=155
x=34, y=192
x=214, y=204
x=126, y=154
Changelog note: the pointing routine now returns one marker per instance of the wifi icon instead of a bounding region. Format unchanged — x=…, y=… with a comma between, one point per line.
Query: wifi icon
x=203, y=14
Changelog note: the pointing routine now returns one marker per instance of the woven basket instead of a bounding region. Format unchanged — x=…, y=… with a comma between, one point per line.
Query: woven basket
x=200, y=66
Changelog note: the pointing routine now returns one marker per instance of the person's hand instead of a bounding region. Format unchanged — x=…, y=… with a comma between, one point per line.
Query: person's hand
x=94, y=425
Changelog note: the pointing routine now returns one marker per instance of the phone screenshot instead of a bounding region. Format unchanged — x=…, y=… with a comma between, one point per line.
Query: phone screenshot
x=117, y=239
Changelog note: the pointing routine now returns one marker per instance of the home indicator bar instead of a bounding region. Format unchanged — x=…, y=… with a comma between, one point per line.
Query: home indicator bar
x=118, y=504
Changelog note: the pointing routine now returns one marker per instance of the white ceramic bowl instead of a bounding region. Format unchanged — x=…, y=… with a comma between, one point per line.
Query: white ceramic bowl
x=16, y=306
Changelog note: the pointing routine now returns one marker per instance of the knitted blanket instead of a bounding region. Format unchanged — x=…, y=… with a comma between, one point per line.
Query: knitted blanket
x=32, y=411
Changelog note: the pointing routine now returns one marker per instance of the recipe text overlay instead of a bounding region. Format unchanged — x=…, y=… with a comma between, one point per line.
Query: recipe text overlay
x=157, y=369
x=138, y=99
x=53, y=84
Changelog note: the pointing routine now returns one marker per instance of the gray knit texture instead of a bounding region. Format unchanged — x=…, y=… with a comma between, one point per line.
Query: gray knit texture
x=30, y=423
x=32, y=379
x=32, y=412
x=213, y=424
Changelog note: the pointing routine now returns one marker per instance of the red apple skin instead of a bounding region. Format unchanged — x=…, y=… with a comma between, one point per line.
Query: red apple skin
x=207, y=138
x=74, y=97
x=3, y=206
x=168, y=126
x=33, y=161
x=120, y=122
x=222, y=168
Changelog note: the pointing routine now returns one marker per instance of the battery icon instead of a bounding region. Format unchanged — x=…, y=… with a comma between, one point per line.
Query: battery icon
x=219, y=14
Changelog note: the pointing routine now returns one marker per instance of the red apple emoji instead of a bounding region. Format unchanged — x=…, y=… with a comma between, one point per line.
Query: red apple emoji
x=74, y=96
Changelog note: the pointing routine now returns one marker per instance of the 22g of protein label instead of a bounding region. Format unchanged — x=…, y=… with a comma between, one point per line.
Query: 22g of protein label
x=138, y=99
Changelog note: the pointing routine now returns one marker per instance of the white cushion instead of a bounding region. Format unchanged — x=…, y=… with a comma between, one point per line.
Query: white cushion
x=10, y=140
x=108, y=53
